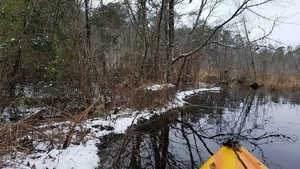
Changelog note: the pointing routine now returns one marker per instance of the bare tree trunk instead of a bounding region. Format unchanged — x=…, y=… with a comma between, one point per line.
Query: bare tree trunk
x=170, y=38
x=158, y=38
x=13, y=76
x=143, y=36
x=249, y=50
x=87, y=25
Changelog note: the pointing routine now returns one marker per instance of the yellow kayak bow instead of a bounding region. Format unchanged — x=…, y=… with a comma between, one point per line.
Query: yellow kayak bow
x=231, y=158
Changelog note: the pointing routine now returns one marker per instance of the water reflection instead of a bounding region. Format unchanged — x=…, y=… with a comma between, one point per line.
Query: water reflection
x=187, y=138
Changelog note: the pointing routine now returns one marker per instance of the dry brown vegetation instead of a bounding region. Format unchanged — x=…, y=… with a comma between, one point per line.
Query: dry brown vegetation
x=280, y=82
x=17, y=139
x=20, y=138
x=269, y=81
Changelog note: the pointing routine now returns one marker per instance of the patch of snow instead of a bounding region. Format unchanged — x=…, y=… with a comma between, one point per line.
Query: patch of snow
x=85, y=155
x=73, y=157
x=180, y=96
x=159, y=87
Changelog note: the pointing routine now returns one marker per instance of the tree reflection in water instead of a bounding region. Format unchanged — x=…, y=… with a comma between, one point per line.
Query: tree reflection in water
x=187, y=138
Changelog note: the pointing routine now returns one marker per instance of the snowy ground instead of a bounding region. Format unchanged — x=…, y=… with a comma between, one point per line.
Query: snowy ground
x=84, y=155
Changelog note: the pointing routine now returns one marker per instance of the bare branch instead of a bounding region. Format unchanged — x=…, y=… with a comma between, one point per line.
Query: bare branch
x=240, y=9
x=203, y=3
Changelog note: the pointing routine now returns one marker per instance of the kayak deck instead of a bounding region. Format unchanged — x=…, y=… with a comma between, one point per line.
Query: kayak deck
x=230, y=158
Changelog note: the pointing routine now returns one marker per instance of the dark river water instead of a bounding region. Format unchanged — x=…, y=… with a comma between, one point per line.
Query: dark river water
x=267, y=124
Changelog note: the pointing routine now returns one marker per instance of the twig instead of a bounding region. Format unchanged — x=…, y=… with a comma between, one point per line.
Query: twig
x=82, y=116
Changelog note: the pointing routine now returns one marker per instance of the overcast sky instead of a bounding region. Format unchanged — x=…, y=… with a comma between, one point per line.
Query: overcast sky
x=289, y=32
x=285, y=33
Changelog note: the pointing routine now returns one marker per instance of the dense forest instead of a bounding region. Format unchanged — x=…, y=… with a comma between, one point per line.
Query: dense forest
x=60, y=52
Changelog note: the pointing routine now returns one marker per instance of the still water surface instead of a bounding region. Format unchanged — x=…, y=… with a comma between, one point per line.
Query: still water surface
x=268, y=125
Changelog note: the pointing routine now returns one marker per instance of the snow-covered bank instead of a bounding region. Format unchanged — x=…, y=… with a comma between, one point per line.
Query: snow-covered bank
x=84, y=155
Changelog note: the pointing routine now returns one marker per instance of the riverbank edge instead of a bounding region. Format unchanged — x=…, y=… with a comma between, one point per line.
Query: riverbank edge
x=84, y=153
